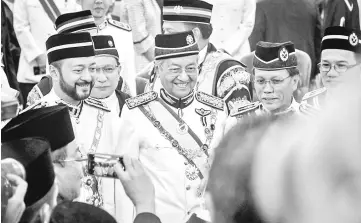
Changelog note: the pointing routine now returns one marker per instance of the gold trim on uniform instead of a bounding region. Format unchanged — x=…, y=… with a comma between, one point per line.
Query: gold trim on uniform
x=94, y=102
x=210, y=100
x=141, y=99
x=120, y=25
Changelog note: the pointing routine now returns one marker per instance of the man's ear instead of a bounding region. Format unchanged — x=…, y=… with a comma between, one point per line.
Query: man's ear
x=295, y=81
x=54, y=72
x=197, y=34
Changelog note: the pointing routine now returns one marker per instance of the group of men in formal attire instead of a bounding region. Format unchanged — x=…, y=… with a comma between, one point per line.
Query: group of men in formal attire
x=168, y=119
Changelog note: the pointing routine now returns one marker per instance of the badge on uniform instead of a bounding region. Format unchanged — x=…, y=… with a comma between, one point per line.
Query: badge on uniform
x=141, y=99
x=210, y=100
x=353, y=39
x=94, y=102
x=203, y=113
x=283, y=54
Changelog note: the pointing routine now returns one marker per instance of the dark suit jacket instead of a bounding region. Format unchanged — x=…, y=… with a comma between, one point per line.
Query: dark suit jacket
x=10, y=47
x=289, y=20
x=146, y=218
x=336, y=9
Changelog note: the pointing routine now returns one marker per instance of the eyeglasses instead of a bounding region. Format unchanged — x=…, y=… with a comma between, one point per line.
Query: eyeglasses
x=108, y=69
x=339, y=68
x=273, y=82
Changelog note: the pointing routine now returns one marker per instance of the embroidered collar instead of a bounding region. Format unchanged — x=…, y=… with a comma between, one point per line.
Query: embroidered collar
x=75, y=111
x=102, y=25
x=178, y=103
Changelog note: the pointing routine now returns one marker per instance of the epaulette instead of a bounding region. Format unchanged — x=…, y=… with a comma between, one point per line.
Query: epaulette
x=314, y=93
x=141, y=99
x=96, y=103
x=210, y=100
x=120, y=25
x=253, y=106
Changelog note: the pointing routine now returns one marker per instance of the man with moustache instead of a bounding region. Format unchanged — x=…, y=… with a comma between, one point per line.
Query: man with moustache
x=219, y=74
x=341, y=50
x=75, y=22
x=121, y=34
x=172, y=129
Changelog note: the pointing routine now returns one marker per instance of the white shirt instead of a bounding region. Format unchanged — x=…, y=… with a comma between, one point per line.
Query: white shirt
x=33, y=27
x=232, y=22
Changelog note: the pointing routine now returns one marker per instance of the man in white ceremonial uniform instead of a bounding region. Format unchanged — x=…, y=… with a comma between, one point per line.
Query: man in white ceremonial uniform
x=172, y=130
x=75, y=22
x=340, y=51
x=33, y=24
x=72, y=67
x=101, y=135
x=121, y=34
x=219, y=74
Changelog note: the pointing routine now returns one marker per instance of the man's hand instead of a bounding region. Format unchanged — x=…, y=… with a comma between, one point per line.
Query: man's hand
x=16, y=205
x=41, y=60
x=137, y=184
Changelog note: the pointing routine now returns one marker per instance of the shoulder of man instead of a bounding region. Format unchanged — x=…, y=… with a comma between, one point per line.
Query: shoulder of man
x=96, y=103
x=210, y=100
x=120, y=25
x=248, y=109
x=141, y=99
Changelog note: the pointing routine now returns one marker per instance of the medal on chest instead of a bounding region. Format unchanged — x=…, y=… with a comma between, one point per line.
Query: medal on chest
x=182, y=127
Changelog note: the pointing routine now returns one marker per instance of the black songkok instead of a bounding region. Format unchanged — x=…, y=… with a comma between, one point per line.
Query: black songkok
x=274, y=56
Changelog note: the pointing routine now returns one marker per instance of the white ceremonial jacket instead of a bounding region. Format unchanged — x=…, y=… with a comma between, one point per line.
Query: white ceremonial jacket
x=232, y=22
x=176, y=197
x=84, y=128
x=123, y=40
x=33, y=27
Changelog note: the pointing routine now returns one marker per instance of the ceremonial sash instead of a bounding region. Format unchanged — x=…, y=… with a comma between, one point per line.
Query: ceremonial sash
x=51, y=9
x=166, y=122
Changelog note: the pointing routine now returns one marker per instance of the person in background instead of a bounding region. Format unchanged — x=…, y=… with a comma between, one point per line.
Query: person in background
x=232, y=23
x=121, y=34
x=279, y=21
x=342, y=13
x=34, y=155
x=144, y=16
x=341, y=50
x=10, y=49
x=33, y=24
x=276, y=78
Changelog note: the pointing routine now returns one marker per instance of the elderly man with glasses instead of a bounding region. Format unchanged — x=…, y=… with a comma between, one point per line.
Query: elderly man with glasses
x=341, y=50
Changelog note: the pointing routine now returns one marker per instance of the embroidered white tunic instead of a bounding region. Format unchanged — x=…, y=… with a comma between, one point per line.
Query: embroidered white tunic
x=176, y=197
